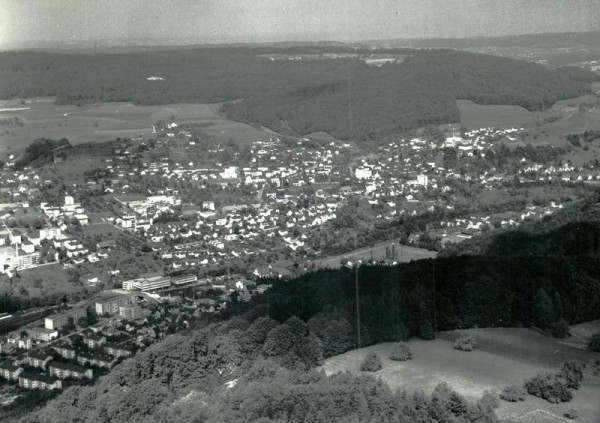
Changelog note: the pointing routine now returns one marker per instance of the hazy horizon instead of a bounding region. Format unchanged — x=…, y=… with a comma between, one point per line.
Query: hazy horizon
x=27, y=22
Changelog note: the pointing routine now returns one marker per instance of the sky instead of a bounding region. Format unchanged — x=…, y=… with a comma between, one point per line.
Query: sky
x=223, y=21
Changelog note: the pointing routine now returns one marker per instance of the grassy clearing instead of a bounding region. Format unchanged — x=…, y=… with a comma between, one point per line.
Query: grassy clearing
x=473, y=115
x=42, y=281
x=405, y=254
x=504, y=357
x=106, y=121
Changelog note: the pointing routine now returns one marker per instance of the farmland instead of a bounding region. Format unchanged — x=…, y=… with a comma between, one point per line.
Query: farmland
x=504, y=357
x=40, y=117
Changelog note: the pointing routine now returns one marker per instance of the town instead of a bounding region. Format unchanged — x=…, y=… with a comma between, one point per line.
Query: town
x=159, y=231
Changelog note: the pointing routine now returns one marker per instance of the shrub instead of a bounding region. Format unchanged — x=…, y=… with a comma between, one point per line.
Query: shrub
x=466, y=343
x=572, y=373
x=513, y=393
x=401, y=352
x=371, y=363
x=594, y=342
x=551, y=387
x=571, y=414
x=426, y=331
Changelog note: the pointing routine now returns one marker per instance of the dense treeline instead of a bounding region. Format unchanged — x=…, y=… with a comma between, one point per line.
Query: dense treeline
x=344, y=97
x=39, y=150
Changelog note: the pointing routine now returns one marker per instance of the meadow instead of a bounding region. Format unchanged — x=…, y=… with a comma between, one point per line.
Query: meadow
x=377, y=252
x=90, y=123
x=504, y=357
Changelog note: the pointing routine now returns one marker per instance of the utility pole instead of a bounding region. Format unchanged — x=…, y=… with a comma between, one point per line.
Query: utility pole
x=357, y=304
x=434, y=303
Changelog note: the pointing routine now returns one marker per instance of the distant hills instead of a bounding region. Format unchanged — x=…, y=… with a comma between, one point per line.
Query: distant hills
x=344, y=97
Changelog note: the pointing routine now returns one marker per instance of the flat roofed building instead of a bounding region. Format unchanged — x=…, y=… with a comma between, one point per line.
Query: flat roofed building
x=68, y=370
x=110, y=304
x=58, y=321
x=9, y=371
x=65, y=350
x=183, y=279
x=33, y=381
x=42, y=334
x=38, y=359
x=151, y=283
x=131, y=312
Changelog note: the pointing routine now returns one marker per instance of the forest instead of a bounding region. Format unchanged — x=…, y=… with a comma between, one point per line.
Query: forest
x=344, y=97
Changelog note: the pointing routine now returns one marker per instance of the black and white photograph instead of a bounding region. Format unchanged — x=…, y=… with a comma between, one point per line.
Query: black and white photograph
x=320, y=211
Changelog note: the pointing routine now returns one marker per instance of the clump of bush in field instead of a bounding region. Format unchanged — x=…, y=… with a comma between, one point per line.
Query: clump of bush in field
x=466, y=343
x=513, y=393
x=571, y=414
x=401, y=352
x=556, y=387
x=371, y=363
x=594, y=342
x=550, y=387
x=572, y=372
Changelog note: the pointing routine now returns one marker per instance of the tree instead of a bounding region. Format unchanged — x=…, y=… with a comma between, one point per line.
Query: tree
x=426, y=331
x=544, y=314
x=594, y=342
x=371, y=363
x=513, y=393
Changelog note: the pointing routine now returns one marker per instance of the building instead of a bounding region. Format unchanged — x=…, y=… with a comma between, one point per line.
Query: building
x=65, y=350
x=94, y=341
x=9, y=371
x=25, y=343
x=96, y=359
x=68, y=370
x=151, y=283
x=33, y=381
x=38, y=359
x=118, y=350
x=58, y=321
x=110, y=304
x=131, y=312
x=183, y=279
x=42, y=334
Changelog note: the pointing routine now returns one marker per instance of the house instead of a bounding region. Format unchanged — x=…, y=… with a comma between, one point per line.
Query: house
x=68, y=370
x=38, y=359
x=34, y=381
x=9, y=371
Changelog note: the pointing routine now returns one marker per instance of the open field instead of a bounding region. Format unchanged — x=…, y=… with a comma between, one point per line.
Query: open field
x=473, y=115
x=40, y=117
x=377, y=252
x=504, y=357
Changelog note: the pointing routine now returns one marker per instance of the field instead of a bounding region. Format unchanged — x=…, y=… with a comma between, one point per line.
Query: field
x=106, y=121
x=377, y=252
x=43, y=281
x=504, y=357
x=473, y=116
